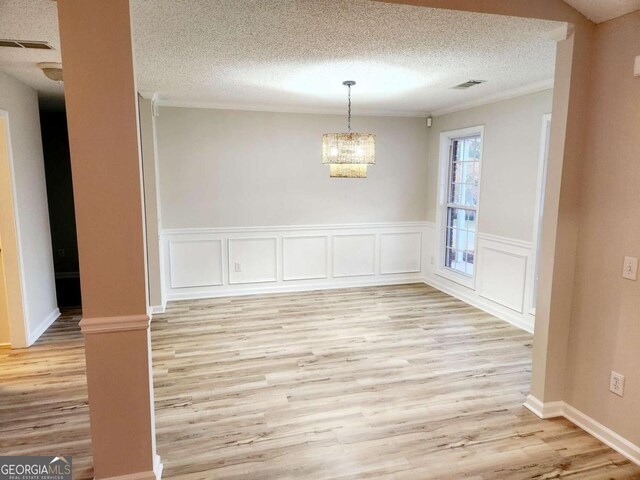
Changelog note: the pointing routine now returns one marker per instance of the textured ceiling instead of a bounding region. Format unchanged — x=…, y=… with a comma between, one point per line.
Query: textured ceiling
x=31, y=20
x=602, y=10
x=294, y=54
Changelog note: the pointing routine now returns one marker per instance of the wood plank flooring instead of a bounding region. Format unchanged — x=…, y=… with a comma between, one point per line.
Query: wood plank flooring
x=400, y=382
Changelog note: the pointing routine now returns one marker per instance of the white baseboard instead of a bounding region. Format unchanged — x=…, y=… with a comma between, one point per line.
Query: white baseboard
x=155, y=474
x=483, y=304
x=607, y=436
x=157, y=309
x=40, y=329
x=544, y=410
x=279, y=288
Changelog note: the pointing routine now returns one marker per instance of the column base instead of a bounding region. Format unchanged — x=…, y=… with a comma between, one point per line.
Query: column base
x=155, y=474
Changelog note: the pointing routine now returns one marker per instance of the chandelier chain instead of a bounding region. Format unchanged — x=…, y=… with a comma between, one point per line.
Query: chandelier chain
x=349, y=120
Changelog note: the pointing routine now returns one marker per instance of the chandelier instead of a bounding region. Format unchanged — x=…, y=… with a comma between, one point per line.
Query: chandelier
x=348, y=154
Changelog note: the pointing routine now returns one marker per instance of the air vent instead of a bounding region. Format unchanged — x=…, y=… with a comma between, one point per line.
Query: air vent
x=26, y=44
x=469, y=84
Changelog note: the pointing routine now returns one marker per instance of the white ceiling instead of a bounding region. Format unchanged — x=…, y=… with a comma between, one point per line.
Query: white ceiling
x=294, y=54
x=599, y=11
x=31, y=20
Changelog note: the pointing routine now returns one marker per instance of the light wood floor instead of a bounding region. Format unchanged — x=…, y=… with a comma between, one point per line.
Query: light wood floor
x=399, y=382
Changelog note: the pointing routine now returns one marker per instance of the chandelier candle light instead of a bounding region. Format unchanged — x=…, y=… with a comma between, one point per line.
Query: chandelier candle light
x=348, y=154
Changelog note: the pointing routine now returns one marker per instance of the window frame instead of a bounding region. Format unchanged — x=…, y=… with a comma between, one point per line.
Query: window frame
x=444, y=171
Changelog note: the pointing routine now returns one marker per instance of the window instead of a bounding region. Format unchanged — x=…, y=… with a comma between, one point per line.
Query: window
x=460, y=170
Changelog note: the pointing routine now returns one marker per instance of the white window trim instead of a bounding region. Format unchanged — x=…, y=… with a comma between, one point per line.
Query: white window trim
x=465, y=280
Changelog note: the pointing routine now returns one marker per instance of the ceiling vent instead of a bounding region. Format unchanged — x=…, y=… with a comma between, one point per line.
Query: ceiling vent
x=469, y=84
x=26, y=44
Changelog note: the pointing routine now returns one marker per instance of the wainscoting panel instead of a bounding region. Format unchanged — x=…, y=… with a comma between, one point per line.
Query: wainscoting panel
x=400, y=252
x=215, y=262
x=253, y=260
x=354, y=255
x=503, y=277
x=503, y=286
x=195, y=263
x=305, y=258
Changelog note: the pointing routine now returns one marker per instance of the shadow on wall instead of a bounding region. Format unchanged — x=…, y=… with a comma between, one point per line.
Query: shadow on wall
x=57, y=161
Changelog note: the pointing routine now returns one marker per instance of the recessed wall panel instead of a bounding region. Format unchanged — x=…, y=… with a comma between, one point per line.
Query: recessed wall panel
x=354, y=255
x=195, y=263
x=253, y=260
x=400, y=252
x=503, y=277
x=304, y=258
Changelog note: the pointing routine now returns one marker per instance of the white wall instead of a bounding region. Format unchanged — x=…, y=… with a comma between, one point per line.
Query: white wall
x=248, y=207
x=505, y=256
x=30, y=202
x=223, y=168
x=509, y=162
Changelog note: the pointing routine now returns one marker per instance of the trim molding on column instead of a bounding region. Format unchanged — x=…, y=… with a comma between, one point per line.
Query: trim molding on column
x=114, y=324
x=607, y=436
x=155, y=474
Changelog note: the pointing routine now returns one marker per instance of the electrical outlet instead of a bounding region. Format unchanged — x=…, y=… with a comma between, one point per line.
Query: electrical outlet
x=630, y=268
x=432, y=260
x=616, y=384
x=238, y=267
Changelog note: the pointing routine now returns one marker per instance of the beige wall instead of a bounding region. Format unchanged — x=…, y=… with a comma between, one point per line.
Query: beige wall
x=605, y=327
x=30, y=208
x=6, y=227
x=101, y=104
x=223, y=168
x=5, y=200
x=510, y=159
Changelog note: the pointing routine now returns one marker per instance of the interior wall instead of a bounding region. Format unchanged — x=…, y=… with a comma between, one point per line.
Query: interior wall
x=5, y=333
x=153, y=225
x=30, y=202
x=510, y=160
x=605, y=330
x=223, y=168
x=503, y=282
x=6, y=228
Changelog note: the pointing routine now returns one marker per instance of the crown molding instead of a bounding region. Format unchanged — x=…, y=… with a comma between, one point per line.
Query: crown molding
x=153, y=96
x=257, y=107
x=505, y=95
x=561, y=33
x=498, y=97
